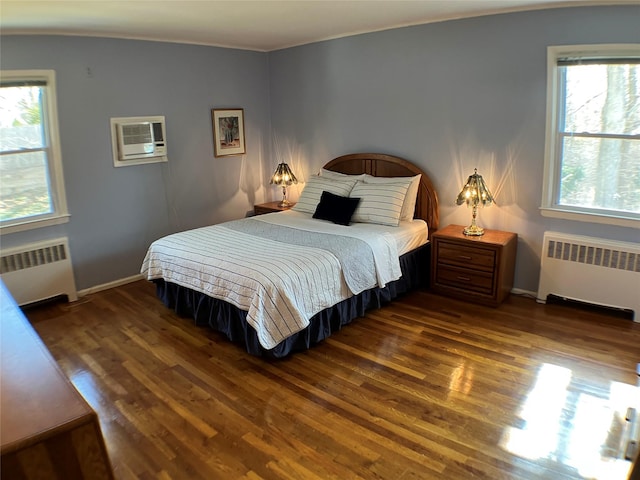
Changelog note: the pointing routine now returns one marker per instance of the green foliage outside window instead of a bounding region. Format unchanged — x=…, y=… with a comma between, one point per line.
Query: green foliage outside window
x=24, y=176
x=600, y=138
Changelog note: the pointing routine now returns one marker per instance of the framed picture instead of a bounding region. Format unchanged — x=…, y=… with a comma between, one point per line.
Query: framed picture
x=228, y=132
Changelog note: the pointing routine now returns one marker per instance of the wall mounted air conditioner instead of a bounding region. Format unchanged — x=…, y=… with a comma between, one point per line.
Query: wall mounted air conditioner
x=137, y=140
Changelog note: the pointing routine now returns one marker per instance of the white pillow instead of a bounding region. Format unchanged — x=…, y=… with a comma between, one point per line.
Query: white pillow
x=409, y=205
x=380, y=203
x=310, y=196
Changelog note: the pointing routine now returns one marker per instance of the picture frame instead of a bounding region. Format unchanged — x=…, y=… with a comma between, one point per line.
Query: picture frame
x=228, y=132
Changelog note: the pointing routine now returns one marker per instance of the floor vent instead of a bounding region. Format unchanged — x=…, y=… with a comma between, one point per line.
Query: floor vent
x=591, y=270
x=38, y=271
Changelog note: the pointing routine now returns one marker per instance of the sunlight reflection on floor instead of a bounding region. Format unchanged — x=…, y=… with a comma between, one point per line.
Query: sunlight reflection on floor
x=569, y=422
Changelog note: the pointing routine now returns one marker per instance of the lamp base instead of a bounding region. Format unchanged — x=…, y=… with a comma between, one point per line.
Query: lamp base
x=284, y=203
x=473, y=230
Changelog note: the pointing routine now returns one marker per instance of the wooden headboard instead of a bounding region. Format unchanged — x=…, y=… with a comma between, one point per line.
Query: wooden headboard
x=381, y=165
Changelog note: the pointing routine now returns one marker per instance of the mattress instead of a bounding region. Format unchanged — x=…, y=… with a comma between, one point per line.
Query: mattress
x=408, y=236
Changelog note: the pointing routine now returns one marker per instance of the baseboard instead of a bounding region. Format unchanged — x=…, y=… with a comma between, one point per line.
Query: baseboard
x=524, y=293
x=107, y=286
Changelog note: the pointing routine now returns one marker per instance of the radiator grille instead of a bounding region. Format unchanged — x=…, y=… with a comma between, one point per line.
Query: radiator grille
x=590, y=255
x=38, y=271
x=590, y=270
x=32, y=258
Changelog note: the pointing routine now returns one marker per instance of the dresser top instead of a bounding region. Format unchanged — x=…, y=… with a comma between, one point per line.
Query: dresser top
x=37, y=398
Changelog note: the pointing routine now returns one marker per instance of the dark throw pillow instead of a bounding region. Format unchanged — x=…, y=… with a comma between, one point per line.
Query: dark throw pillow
x=335, y=208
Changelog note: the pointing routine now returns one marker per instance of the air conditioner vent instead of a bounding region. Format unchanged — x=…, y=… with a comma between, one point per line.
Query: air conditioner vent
x=136, y=134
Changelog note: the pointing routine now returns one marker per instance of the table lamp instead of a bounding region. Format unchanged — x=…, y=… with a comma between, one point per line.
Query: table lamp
x=475, y=193
x=284, y=177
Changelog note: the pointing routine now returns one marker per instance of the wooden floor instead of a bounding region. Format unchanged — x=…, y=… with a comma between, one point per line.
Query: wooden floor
x=425, y=388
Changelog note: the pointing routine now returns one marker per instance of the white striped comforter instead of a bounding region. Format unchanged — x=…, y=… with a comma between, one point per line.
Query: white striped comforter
x=280, y=285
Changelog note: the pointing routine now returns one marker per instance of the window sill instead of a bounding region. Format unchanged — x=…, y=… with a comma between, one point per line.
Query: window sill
x=33, y=224
x=590, y=217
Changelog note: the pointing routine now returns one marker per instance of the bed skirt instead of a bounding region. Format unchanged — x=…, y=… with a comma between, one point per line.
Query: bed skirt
x=231, y=321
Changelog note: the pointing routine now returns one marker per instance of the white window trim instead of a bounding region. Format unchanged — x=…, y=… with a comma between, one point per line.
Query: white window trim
x=60, y=212
x=549, y=206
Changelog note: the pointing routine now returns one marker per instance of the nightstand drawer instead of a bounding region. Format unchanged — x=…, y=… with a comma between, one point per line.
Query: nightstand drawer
x=469, y=280
x=468, y=257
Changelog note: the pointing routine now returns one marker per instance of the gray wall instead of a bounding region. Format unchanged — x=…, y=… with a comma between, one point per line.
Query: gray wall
x=117, y=212
x=449, y=97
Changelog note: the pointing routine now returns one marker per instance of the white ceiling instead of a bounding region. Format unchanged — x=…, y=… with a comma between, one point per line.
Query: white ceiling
x=261, y=25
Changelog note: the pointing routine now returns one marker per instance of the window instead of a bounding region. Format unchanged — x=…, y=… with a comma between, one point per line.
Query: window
x=31, y=184
x=592, y=161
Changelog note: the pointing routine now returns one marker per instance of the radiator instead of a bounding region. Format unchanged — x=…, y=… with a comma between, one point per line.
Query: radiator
x=38, y=271
x=591, y=270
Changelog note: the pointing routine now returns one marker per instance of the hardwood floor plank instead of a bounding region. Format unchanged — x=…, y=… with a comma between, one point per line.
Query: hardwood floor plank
x=425, y=388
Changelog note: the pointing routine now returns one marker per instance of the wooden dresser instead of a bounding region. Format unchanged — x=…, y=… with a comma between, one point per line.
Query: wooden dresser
x=47, y=429
x=478, y=269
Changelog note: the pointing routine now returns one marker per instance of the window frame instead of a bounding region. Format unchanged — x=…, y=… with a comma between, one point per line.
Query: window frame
x=553, y=141
x=60, y=213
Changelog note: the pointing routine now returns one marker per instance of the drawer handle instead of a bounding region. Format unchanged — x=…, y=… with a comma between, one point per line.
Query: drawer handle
x=464, y=279
x=465, y=257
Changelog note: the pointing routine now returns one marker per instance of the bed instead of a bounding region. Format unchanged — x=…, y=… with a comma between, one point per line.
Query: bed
x=283, y=282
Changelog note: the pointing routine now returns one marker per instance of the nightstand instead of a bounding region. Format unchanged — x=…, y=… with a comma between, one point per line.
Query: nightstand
x=269, y=207
x=479, y=269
